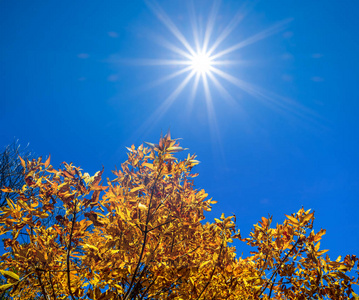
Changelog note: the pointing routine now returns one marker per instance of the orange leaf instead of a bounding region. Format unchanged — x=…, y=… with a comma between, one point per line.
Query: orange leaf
x=22, y=162
x=47, y=162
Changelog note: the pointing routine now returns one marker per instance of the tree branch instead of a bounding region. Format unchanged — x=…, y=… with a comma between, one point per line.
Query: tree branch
x=280, y=264
x=144, y=238
x=214, y=269
x=41, y=285
x=52, y=286
x=68, y=253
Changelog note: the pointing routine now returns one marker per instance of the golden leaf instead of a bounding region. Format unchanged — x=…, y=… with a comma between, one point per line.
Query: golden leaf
x=137, y=188
x=47, y=162
x=308, y=217
x=316, y=248
x=150, y=166
x=292, y=219
x=91, y=247
x=142, y=207
x=23, y=164
x=6, y=286
x=9, y=274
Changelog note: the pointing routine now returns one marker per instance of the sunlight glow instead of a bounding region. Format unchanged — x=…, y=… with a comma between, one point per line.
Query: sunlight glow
x=200, y=57
x=201, y=63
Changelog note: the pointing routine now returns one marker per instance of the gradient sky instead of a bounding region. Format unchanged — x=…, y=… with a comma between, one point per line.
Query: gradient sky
x=80, y=80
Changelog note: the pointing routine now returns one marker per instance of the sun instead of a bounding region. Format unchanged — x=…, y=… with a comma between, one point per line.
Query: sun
x=202, y=58
x=201, y=63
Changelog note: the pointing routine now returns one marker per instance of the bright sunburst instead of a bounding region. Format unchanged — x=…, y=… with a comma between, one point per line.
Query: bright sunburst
x=201, y=61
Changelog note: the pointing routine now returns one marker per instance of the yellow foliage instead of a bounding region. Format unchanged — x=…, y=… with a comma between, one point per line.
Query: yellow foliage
x=143, y=236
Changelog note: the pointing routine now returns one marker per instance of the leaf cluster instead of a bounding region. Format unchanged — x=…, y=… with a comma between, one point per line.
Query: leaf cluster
x=142, y=235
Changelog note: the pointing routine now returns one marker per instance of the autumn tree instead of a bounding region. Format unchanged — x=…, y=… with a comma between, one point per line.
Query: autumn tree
x=11, y=171
x=143, y=235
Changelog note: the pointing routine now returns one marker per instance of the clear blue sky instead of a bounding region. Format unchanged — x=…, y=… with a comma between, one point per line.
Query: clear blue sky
x=79, y=80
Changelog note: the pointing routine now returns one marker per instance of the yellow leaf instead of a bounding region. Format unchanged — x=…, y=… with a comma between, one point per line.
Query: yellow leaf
x=322, y=252
x=308, y=217
x=9, y=274
x=142, y=207
x=137, y=188
x=119, y=288
x=204, y=264
x=150, y=166
x=175, y=149
x=91, y=247
x=5, y=286
x=292, y=219
x=22, y=162
x=342, y=268
x=10, y=203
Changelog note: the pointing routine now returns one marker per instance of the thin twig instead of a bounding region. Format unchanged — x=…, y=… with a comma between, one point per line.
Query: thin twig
x=149, y=286
x=272, y=285
x=41, y=285
x=52, y=286
x=144, y=238
x=280, y=264
x=160, y=225
x=214, y=269
x=68, y=252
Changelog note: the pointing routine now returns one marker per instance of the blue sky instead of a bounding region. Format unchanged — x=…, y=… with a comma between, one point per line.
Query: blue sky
x=80, y=80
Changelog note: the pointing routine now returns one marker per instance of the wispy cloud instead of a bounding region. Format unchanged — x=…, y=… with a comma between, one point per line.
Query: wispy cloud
x=83, y=55
x=112, y=78
x=112, y=34
x=317, y=79
x=317, y=55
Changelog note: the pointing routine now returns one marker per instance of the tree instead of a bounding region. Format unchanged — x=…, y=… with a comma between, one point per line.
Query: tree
x=11, y=171
x=142, y=236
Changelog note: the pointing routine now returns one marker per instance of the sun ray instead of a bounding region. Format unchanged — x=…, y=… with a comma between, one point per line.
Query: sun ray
x=169, y=77
x=194, y=25
x=210, y=24
x=212, y=120
x=202, y=57
x=193, y=92
x=253, y=39
x=148, y=125
x=162, y=16
x=165, y=43
x=156, y=62
x=227, y=62
x=279, y=103
x=179, y=89
x=227, y=96
x=226, y=32
x=208, y=98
